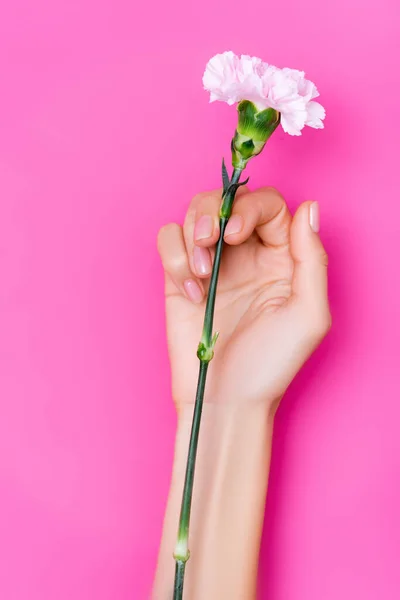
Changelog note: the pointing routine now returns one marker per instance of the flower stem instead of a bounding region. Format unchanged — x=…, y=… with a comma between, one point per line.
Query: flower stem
x=179, y=577
x=205, y=354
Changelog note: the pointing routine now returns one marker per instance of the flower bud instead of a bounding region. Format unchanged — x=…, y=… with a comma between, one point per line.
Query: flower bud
x=254, y=128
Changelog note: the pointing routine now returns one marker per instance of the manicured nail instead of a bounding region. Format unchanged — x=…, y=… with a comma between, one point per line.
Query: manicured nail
x=314, y=216
x=202, y=260
x=193, y=290
x=204, y=228
x=235, y=225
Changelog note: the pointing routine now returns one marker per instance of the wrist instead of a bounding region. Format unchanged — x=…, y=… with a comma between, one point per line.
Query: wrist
x=228, y=499
x=222, y=421
x=227, y=412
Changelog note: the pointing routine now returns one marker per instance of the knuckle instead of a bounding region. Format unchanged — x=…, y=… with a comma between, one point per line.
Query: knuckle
x=177, y=262
x=192, y=210
x=198, y=198
x=273, y=192
x=167, y=230
x=166, y=233
x=203, y=197
x=272, y=198
x=208, y=203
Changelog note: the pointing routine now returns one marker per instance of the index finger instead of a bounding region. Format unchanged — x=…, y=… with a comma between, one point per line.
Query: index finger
x=264, y=211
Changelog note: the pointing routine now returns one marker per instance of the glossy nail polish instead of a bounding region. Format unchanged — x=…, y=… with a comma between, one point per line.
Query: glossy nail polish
x=314, y=216
x=202, y=260
x=193, y=290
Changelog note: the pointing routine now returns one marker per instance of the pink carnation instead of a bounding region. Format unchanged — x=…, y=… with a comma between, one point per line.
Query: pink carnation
x=231, y=78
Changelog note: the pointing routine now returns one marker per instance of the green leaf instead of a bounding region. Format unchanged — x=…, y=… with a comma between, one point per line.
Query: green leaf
x=234, y=186
x=214, y=339
x=225, y=177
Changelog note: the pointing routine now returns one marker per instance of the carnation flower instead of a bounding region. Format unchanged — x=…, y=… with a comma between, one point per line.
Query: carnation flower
x=231, y=79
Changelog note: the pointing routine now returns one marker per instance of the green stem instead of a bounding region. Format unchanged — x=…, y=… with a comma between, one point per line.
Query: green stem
x=225, y=213
x=182, y=552
x=179, y=577
x=205, y=353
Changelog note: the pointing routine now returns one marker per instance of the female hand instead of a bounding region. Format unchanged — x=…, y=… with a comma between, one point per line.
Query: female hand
x=272, y=306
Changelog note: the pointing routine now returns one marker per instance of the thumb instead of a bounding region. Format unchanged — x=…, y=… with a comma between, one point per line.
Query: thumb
x=309, y=286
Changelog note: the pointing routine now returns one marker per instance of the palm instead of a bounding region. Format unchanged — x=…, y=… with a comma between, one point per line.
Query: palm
x=271, y=308
x=254, y=283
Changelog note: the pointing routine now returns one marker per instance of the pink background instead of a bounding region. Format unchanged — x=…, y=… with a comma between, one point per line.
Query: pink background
x=97, y=100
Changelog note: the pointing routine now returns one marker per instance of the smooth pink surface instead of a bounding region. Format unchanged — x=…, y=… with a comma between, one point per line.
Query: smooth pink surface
x=97, y=103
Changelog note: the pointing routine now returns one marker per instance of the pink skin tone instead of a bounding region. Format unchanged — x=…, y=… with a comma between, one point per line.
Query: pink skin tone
x=272, y=312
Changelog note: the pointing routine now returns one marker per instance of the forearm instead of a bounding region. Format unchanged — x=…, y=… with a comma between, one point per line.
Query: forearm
x=228, y=503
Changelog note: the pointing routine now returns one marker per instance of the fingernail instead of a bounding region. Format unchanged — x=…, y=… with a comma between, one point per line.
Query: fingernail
x=193, y=290
x=202, y=260
x=204, y=228
x=235, y=225
x=314, y=216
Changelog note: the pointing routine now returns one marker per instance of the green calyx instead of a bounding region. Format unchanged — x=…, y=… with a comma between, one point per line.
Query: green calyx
x=254, y=128
x=256, y=124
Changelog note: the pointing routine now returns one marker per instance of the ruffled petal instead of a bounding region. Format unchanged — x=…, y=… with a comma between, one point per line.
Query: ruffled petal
x=315, y=115
x=231, y=78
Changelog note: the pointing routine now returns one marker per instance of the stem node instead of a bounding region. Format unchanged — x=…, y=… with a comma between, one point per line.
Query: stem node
x=205, y=350
x=205, y=353
x=182, y=553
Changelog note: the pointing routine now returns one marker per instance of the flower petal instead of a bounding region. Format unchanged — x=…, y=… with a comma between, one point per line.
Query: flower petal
x=231, y=78
x=315, y=115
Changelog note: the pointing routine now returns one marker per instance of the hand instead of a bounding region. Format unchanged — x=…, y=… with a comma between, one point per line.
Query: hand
x=272, y=307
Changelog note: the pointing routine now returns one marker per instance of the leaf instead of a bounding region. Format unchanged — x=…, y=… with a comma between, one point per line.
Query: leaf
x=225, y=177
x=234, y=186
x=214, y=339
